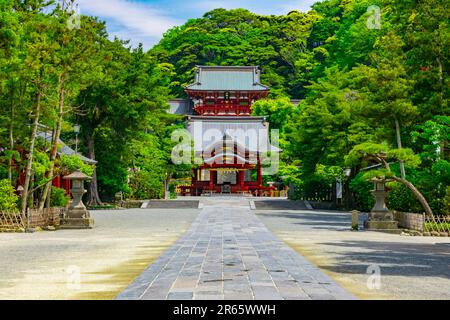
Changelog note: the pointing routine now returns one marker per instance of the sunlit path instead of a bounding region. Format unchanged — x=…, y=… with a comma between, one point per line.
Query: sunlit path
x=228, y=253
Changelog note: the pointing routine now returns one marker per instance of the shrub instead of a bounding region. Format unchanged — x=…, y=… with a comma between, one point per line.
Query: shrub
x=172, y=190
x=431, y=183
x=291, y=176
x=3, y=172
x=8, y=197
x=362, y=190
x=446, y=202
x=146, y=185
x=402, y=199
x=59, y=198
x=72, y=163
x=315, y=185
x=436, y=226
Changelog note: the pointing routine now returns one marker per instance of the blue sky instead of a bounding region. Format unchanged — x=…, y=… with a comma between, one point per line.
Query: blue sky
x=146, y=20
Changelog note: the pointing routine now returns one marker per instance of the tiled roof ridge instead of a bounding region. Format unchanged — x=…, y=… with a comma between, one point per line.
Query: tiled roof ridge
x=253, y=79
x=228, y=67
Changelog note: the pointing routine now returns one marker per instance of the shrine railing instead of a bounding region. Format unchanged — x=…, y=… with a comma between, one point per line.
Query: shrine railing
x=325, y=195
x=223, y=110
x=260, y=191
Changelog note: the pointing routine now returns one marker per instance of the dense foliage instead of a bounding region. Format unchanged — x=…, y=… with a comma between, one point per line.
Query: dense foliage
x=58, y=70
x=239, y=37
x=388, y=85
x=8, y=198
x=361, y=80
x=59, y=198
x=369, y=85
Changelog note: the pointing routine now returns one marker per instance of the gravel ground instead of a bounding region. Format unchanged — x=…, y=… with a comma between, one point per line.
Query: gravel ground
x=45, y=265
x=411, y=267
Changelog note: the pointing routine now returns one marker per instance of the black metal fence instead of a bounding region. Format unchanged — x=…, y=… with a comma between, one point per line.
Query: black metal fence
x=325, y=195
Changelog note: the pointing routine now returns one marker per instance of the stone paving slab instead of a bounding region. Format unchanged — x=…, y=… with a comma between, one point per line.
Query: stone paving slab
x=228, y=253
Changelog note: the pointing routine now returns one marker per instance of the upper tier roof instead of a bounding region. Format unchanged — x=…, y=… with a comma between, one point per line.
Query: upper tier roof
x=227, y=78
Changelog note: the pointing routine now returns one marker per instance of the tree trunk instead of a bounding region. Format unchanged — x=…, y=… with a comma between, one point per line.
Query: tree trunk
x=29, y=167
x=349, y=199
x=32, y=190
x=411, y=187
x=11, y=137
x=55, y=139
x=417, y=193
x=48, y=202
x=93, y=196
x=166, y=187
x=400, y=146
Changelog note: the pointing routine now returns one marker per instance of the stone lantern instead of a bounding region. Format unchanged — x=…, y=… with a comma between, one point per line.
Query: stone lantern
x=77, y=216
x=380, y=218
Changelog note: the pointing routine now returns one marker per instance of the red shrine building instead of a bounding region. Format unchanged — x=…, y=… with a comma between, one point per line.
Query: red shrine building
x=229, y=144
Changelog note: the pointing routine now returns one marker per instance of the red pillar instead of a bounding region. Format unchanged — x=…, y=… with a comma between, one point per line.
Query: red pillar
x=22, y=178
x=241, y=179
x=260, y=180
x=211, y=180
x=194, y=176
x=67, y=186
x=193, y=182
x=56, y=182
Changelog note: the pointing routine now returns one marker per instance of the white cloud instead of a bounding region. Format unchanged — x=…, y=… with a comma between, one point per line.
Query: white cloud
x=256, y=6
x=134, y=37
x=299, y=5
x=140, y=21
x=136, y=20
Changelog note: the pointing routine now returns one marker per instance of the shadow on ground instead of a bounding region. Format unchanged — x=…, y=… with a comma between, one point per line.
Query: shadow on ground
x=332, y=220
x=394, y=258
x=415, y=267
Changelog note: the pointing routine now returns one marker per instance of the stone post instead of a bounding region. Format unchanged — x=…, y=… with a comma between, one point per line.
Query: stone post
x=380, y=218
x=77, y=216
x=355, y=220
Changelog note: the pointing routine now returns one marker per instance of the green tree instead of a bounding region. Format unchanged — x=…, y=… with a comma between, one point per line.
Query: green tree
x=39, y=51
x=75, y=67
x=8, y=197
x=327, y=127
x=382, y=154
x=278, y=111
x=125, y=101
x=388, y=87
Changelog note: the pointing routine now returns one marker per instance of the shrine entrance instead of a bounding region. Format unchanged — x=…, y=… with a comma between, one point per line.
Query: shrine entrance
x=228, y=141
x=226, y=178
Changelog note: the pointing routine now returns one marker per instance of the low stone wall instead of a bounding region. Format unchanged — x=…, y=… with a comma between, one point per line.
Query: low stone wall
x=280, y=205
x=323, y=205
x=411, y=221
x=131, y=204
x=173, y=204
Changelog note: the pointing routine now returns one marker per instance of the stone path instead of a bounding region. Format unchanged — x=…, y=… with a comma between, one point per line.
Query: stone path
x=228, y=253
